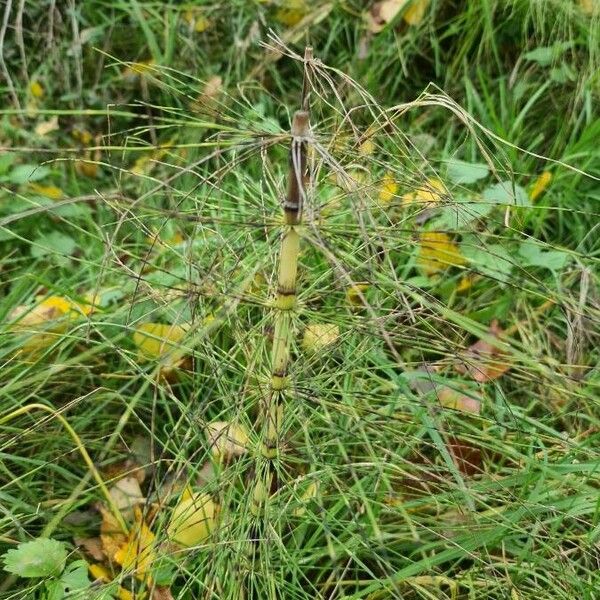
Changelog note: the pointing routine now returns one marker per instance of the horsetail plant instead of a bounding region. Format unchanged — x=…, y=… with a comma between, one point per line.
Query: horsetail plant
x=285, y=297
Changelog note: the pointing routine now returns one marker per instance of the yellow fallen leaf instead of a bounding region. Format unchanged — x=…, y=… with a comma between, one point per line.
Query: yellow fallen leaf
x=50, y=191
x=388, y=189
x=414, y=14
x=432, y=190
x=193, y=519
x=384, y=12
x=45, y=321
x=196, y=20
x=366, y=148
x=138, y=552
x=227, y=439
x=540, y=185
x=465, y=283
x=318, y=336
x=354, y=293
x=99, y=573
x=124, y=594
x=83, y=136
x=456, y=400
x=292, y=13
x=147, y=161
x=111, y=534
x=36, y=89
x=46, y=127
x=86, y=168
x=155, y=340
x=437, y=251
x=589, y=7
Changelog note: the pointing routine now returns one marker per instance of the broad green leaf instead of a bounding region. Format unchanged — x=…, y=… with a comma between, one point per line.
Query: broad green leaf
x=464, y=172
x=532, y=255
x=75, y=576
x=506, y=193
x=55, y=243
x=545, y=55
x=41, y=557
x=462, y=212
x=493, y=260
x=6, y=160
x=27, y=173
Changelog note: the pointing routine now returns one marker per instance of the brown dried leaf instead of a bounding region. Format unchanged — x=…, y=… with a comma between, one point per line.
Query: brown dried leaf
x=111, y=534
x=484, y=361
x=162, y=593
x=92, y=546
x=455, y=399
x=466, y=456
x=127, y=493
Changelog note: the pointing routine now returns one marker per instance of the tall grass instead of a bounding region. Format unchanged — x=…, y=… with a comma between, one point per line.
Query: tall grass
x=359, y=480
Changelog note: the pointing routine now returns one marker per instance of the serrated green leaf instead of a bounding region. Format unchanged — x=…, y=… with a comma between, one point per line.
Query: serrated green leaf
x=507, y=193
x=26, y=173
x=42, y=557
x=464, y=172
x=55, y=590
x=492, y=260
x=533, y=256
x=75, y=576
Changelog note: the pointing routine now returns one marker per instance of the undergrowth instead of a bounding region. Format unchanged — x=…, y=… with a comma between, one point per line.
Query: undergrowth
x=435, y=432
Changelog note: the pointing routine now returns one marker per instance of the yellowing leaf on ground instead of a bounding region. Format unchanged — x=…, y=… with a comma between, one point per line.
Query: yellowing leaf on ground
x=138, y=552
x=589, y=7
x=437, y=252
x=355, y=294
x=48, y=317
x=155, y=340
x=384, y=12
x=318, y=336
x=483, y=360
x=367, y=147
x=49, y=191
x=196, y=20
x=99, y=573
x=456, y=400
x=432, y=190
x=111, y=534
x=87, y=168
x=466, y=282
x=46, y=127
x=292, y=12
x=388, y=189
x=193, y=519
x=83, y=136
x=145, y=163
x=414, y=14
x=539, y=185
x=36, y=89
x=227, y=439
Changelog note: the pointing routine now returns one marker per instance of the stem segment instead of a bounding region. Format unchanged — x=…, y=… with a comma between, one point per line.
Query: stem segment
x=285, y=301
